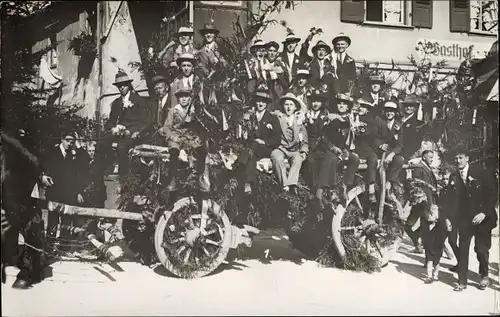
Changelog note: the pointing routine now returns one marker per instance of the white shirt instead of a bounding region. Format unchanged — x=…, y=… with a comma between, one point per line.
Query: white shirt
x=375, y=97
x=341, y=57
x=63, y=150
x=163, y=101
x=126, y=101
x=188, y=81
x=289, y=120
x=210, y=47
x=390, y=124
x=463, y=173
x=314, y=114
x=321, y=67
x=259, y=115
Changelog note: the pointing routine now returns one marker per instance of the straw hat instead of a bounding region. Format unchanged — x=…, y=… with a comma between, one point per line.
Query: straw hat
x=262, y=95
x=341, y=36
x=184, y=30
x=377, y=79
x=185, y=57
x=303, y=72
x=258, y=44
x=391, y=106
x=343, y=97
x=363, y=102
x=183, y=91
x=291, y=38
x=121, y=78
x=290, y=96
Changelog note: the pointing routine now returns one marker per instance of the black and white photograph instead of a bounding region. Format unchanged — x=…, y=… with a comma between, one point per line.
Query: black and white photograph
x=286, y=158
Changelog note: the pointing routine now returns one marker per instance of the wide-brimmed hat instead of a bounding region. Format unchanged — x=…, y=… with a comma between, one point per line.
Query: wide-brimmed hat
x=341, y=36
x=258, y=44
x=262, y=95
x=391, y=106
x=273, y=44
x=291, y=38
x=303, y=72
x=377, y=79
x=185, y=30
x=185, y=57
x=183, y=91
x=158, y=79
x=122, y=78
x=411, y=100
x=319, y=45
x=209, y=27
x=292, y=97
x=343, y=97
x=363, y=102
x=317, y=94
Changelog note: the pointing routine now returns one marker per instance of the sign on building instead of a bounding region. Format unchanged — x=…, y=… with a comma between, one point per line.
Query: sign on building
x=452, y=51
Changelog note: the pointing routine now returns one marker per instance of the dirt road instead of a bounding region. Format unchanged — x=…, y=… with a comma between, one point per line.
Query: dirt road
x=281, y=284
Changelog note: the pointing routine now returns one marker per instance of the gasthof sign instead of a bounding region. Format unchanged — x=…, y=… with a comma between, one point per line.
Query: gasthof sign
x=454, y=50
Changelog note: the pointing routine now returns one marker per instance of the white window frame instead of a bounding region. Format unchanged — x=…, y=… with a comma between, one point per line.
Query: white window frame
x=407, y=15
x=480, y=18
x=223, y=3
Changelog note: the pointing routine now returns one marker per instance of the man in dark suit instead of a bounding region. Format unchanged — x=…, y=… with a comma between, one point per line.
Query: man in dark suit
x=291, y=60
x=321, y=162
x=63, y=166
x=424, y=173
x=159, y=105
x=127, y=120
x=413, y=127
x=345, y=65
x=374, y=96
x=475, y=195
x=392, y=136
x=260, y=142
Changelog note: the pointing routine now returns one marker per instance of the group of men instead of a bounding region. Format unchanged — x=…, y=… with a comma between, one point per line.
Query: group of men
x=302, y=114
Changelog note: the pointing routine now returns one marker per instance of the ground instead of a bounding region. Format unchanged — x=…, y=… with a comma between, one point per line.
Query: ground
x=284, y=283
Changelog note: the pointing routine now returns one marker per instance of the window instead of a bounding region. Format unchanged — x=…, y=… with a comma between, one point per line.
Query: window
x=403, y=13
x=484, y=16
x=388, y=11
x=224, y=3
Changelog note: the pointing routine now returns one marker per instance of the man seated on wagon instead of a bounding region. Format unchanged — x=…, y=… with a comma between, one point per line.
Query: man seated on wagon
x=367, y=142
x=181, y=131
x=321, y=162
x=374, y=95
x=127, y=120
x=262, y=138
x=293, y=145
x=391, y=135
x=413, y=127
x=340, y=136
x=300, y=87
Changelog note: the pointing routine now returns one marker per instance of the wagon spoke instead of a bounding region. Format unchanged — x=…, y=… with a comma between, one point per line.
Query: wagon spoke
x=182, y=248
x=211, y=242
x=186, y=257
x=206, y=251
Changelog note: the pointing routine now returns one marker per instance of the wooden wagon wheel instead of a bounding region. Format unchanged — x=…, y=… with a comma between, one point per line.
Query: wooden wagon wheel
x=190, y=240
x=352, y=230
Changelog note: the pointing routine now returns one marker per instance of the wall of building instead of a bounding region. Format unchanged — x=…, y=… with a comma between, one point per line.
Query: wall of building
x=375, y=43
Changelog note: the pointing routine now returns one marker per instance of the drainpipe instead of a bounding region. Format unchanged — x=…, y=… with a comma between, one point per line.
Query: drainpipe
x=99, y=66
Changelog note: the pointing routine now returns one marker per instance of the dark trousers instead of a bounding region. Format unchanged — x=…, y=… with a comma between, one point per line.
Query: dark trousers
x=104, y=157
x=481, y=247
x=321, y=167
x=247, y=161
x=352, y=163
x=371, y=158
x=394, y=168
x=453, y=241
x=415, y=215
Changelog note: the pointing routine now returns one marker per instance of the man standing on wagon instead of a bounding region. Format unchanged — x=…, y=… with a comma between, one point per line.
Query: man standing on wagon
x=174, y=49
x=413, y=126
x=290, y=58
x=344, y=65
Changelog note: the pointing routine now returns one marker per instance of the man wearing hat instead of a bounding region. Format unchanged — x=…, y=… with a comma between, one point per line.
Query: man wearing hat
x=367, y=142
x=293, y=145
x=174, y=49
x=344, y=65
x=373, y=95
x=474, y=196
x=128, y=118
x=414, y=127
x=209, y=54
x=319, y=66
x=300, y=87
x=391, y=136
x=291, y=60
x=260, y=141
x=341, y=139
x=187, y=78
x=257, y=74
x=277, y=78
x=321, y=162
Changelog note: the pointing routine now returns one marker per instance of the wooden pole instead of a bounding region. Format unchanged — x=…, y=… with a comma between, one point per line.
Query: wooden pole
x=381, y=203
x=99, y=67
x=92, y=212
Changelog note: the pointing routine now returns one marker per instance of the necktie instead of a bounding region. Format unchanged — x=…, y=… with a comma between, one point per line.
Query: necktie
x=463, y=175
x=321, y=71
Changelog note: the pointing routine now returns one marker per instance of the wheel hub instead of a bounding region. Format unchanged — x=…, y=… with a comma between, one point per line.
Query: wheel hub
x=192, y=235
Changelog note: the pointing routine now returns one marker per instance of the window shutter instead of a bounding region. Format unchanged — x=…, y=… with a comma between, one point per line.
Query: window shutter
x=459, y=15
x=352, y=11
x=422, y=13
